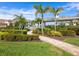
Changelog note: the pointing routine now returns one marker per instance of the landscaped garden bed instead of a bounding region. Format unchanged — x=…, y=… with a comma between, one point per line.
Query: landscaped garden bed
x=69, y=34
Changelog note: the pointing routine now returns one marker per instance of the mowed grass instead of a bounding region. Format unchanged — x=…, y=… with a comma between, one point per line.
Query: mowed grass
x=30, y=49
x=72, y=40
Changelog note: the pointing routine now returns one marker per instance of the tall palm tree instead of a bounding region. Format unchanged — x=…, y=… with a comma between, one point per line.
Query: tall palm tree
x=40, y=9
x=21, y=21
x=55, y=12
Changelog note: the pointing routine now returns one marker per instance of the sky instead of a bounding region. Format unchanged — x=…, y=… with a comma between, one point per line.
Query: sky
x=9, y=9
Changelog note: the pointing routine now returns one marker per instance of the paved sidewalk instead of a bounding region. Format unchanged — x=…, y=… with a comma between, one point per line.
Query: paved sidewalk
x=62, y=45
x=29, y=32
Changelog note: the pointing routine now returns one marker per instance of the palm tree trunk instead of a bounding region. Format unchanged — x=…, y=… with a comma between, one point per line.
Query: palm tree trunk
x=39, y=24
x=42, y=25
x=55, y=24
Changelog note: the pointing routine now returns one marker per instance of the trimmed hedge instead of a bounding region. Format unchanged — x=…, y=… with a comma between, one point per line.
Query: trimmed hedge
x=14, y=31
x=3, y=33
x=56, y=33
x=74, y=28
x=19, y=37
x=60, y=33
x=37, y=31
x=48, y=32
x=68, y=32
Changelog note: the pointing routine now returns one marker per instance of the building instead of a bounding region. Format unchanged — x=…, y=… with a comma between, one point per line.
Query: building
x=66, y=20
x=4, y=22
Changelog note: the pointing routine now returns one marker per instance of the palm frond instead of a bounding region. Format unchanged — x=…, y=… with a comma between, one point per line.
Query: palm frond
x=52, y=10
x=35, y=6
x=59, y=10
x=38, y=9
x=46, y=9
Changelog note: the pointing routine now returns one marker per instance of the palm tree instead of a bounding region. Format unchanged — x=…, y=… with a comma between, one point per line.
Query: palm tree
x=20, y=21
x=40, y=9
x=77, y=15
x=55, y=12
x=38, y=21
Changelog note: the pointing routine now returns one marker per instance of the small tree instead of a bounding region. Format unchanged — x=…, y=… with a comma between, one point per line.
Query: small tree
x=20, y=21
x=38, y=21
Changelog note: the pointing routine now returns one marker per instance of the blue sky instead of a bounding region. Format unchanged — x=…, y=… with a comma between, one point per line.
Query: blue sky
x=9, y=9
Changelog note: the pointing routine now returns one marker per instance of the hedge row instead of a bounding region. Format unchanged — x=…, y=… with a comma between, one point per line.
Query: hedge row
x=19, y=37
x=74, y=28
x=56, y=33
x=14, y=31
x=68, y=33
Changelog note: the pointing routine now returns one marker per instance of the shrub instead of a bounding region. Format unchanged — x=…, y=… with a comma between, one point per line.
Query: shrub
x=47, y=29
x=47, y=33
x=37, y=31
x=9, y=37
x=34, y=31
x=74, y=28
x=20, y=37
x=14, y=31
x=3, y=33
x=20, y=31
x=50, y=26
x=33, y=37
x=68, y=32
x=56, y=33
x=27, y=29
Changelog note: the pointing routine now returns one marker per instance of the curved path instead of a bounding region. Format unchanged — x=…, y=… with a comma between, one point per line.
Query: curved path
x=62, y=45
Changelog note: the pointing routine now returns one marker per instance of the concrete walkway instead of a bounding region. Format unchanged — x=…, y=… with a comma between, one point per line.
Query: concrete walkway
x=29, y=32
x=62, y=45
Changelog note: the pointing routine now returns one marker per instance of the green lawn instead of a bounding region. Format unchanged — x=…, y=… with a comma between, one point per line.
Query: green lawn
x=30, y=49
x=74, y=41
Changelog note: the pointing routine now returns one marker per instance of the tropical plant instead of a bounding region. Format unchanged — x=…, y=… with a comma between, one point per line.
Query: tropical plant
x=40, y=9
x=38, y=21
x=20, y=21
x=77, y=21
x=10, y=26
x=55, y=12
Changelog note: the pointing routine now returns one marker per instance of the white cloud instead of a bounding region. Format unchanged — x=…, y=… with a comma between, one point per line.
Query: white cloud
x=6, y=13
x=70, y=9
x=71, y=6
x=9, y=13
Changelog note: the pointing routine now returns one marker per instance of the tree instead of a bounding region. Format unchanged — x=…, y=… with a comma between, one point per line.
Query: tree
x=38, y=21
x=41, y=10
x=20, y=21
x=10, y=26
x=77, y=21
x=55, y=12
